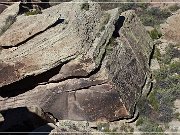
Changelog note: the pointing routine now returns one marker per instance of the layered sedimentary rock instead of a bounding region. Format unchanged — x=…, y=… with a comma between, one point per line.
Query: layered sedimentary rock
x=80, y=64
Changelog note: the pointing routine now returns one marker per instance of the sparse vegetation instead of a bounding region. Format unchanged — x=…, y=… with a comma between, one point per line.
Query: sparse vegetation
x=33, y=12
x=153, y=16
x=85, y=6
x=157, y=54
x=177, y=116
x=174, y=67
x=171, y=53
x=133, y=5
x=153, y=100
x=110, y=45
x=157, y=109
x=151, y=126
x=154, y=34
x=140, y=121
x=144, y=106
x=126, y=128
x=149, y=16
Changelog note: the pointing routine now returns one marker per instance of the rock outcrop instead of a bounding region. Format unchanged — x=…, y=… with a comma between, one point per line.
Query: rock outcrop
x=76, y=62
x=170, y=29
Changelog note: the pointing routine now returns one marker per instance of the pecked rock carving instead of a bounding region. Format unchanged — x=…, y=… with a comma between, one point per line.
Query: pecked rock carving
x=78, y=64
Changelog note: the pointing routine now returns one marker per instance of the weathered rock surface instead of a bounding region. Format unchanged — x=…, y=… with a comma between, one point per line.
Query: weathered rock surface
x=170, y=29
x=27, y=26
x=8, y=16
x=82, y=64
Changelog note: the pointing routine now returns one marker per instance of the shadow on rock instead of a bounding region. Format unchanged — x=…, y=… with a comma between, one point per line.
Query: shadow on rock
x=23, y=120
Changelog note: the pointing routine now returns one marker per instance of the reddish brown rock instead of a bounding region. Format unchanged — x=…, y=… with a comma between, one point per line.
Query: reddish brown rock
x=88, y=65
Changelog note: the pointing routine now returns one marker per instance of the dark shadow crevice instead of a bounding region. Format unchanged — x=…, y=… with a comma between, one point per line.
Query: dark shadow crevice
x=118, y=25
x=21, y=119
x=151, y=55
x=28, y=83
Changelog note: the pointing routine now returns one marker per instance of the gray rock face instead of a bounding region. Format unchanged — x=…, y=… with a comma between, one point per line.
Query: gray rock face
x=81, y=64
x=8, y=17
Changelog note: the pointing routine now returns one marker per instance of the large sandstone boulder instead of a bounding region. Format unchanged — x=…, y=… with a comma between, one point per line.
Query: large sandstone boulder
x=170, y=29
x=80, y=64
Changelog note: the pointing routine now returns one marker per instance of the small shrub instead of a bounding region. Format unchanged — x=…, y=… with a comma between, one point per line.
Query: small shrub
x=174, y=67
x=127, y=6
x=165, y=13
x=34, y=12
x=147, y=20
x=132, y=5
x=154, y=34
x=171, y=53
x=153, y=100
x=153, y=16
x=151, y=126
x=144, y=107
x=140, y=121
x=177, y=116
x=158, y=13
x=142, y=5
x=85, y=6
x=165, y=113
x=157, y=54
x=161, y=74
